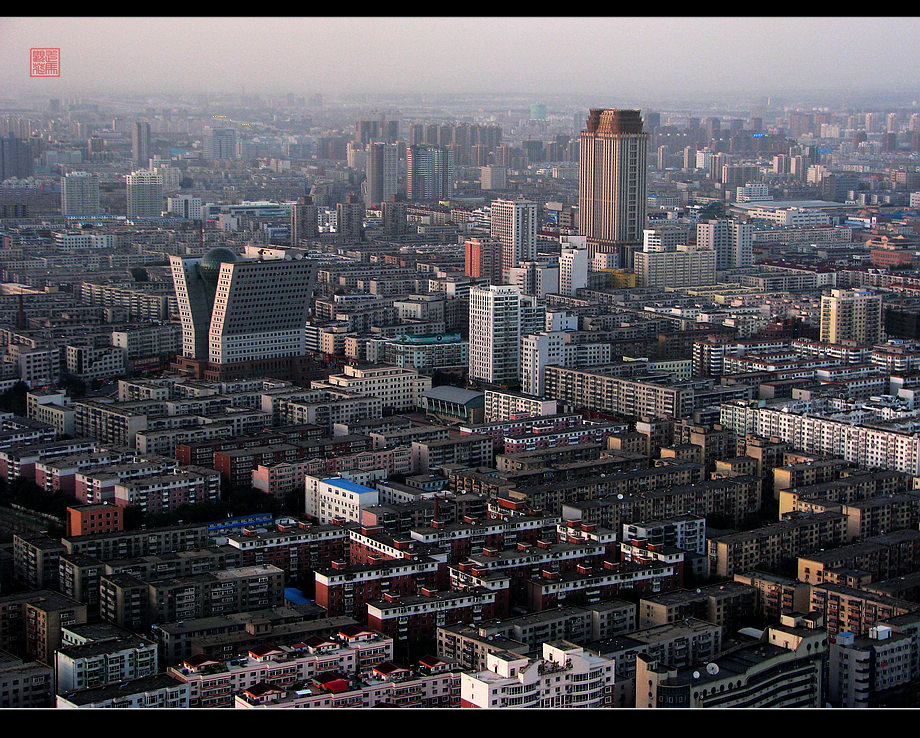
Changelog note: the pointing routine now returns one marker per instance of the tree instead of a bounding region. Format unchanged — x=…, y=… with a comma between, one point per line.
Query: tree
x=139, y=274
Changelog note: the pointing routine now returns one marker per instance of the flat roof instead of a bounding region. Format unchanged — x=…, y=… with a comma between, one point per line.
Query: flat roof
x=348, y=485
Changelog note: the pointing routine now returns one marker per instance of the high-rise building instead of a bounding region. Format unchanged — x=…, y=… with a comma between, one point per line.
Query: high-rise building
x=394, y=217
x=851, y=315
x=185, y=206
x=304, y=220
x=493, y=177
x=495, y=334
x=80, y=194
x=612, y=186
x=686, y=267
x=236, y=310
x=514, y=225
x=573, y=267
x=731, y=239
x=140, y=143
x=145, y=194
x=220, y=143
x=483, y=259
x=382, y=172
x=349, y=219
x=429, y=172
x=15, y=158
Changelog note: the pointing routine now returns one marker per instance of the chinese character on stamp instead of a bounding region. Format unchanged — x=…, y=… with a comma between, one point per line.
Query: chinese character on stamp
x=45, y=62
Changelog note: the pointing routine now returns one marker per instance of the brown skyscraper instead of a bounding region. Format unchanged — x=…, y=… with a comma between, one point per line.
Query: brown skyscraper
x=612, y=184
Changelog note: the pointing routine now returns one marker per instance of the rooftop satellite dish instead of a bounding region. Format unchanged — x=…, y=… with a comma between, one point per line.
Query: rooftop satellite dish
x=712, y=669
x=696, y=675
x=699, y=591
x=620, y=496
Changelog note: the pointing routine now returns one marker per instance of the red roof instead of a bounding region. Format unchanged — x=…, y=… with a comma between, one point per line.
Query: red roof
x=337, y=686
x=194, y=662
x=260, y=689
x=259, y=651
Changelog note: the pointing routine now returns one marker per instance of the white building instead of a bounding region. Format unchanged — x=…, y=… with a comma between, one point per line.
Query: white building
x=145, y=194
x=863, y=445
x=399, y=388
x=732, y=241
x=80, y=194
x=539, y=350
x=573, y=268
x=514, y=224
x=495, y=334
x=96, y=664
x=185, y=206
x=336, y=498
x=686, y=267
x=861, y=666
x=566, y=676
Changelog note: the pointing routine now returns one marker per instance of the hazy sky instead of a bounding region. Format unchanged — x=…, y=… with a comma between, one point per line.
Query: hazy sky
x=624, y=56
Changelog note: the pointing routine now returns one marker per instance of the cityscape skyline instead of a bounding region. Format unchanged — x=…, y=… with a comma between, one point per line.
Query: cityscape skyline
x=627, y=56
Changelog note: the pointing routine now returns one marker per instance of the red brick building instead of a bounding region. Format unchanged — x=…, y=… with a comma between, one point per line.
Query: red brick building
x=84, y=520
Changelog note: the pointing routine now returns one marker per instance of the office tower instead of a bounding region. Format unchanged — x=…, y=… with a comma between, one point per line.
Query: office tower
x=235, y=310
x=514, y=224
x=689, y=158
x=493, y=178
x=304, y=220
x=80, y=194
x=483, y=259
x=145, y=194
x=382, y=172
x=394, y=217
x=429, y=173
x=573, y=267
x=349, y=219
x=686, y=267
x=851, y=315
x=732, y=241
x=220, y=143
x=495, y=334
x=185, y=206
x=612, y=186
x=15, y=158
x=140, y=143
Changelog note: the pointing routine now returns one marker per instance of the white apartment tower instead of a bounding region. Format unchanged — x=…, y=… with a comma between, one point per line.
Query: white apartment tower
x=514, y=224
x=145, y=194
x=732, y=241
x=495, y=334
x=574, y=265
x=851, y=315
x=80, y=194
x=686, y=267
x=185, y=206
